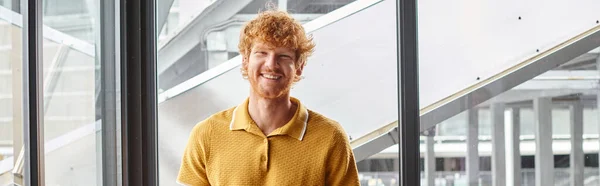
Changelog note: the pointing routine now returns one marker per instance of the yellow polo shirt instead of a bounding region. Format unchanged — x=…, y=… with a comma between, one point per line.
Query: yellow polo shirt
x=228, y=148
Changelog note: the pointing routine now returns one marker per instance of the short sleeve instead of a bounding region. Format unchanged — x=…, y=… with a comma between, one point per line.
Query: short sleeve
x=193, y=163
x=341, y=169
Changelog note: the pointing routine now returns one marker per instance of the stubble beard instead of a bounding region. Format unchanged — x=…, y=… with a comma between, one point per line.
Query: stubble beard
x=275, y=92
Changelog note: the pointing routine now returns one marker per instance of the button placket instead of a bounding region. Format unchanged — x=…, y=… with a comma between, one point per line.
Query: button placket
x=265, y=156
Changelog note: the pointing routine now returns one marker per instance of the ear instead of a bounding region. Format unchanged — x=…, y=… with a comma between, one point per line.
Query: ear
x=245, y=62
x=299, y=69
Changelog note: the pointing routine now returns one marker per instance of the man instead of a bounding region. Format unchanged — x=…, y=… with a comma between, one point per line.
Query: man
x=271, y=138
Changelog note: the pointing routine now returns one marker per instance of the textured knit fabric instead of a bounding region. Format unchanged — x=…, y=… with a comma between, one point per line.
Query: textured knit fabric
x=228, y=148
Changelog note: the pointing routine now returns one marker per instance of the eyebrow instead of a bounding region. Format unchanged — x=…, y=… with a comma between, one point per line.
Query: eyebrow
x=263, y=47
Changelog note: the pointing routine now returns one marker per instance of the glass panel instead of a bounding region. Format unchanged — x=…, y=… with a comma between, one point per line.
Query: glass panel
x=75, y=96
x=11, y=128
x=570, y=96
x=381, y=169
x=199, y=73
x=527, y=88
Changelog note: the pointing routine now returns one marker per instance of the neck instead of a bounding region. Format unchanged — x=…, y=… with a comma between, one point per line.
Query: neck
x=270, y=114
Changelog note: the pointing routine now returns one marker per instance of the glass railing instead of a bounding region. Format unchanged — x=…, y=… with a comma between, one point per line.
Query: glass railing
x=550, y=120
x=560, y=117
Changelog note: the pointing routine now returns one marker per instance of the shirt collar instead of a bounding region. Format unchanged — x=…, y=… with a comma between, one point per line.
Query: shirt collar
x=295, y=128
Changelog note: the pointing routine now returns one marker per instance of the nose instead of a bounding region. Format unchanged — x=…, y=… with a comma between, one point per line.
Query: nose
x=271, y=61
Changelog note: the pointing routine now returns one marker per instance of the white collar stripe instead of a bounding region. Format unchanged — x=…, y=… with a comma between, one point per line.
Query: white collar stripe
x=232, y=119
x=305, y=124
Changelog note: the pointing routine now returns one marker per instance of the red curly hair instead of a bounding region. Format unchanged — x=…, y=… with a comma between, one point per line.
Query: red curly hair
x=279, y=29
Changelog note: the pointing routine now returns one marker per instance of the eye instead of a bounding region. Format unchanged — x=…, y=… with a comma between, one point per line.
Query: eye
x=285, y=57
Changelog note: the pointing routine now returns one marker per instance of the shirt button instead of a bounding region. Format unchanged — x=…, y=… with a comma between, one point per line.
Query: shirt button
x=263, y=158
x=266, y=141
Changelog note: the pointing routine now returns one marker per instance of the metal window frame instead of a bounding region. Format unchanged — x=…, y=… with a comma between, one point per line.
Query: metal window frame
x=408, y=106
x=139, y=95
x=138, y=92
x=33, y=127
x=106, y=52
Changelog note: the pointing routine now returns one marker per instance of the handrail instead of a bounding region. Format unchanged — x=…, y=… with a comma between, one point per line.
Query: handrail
x=6, y=165
x=178, y=30
x=53, y=145
x=577, y=45
x=581, y=39
x=50, y=33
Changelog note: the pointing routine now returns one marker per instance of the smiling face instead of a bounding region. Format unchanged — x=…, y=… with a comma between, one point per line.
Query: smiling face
x=271, y=70
x=275, y=49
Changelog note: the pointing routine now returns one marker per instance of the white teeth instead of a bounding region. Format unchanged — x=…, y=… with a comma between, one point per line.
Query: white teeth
x=269, y=76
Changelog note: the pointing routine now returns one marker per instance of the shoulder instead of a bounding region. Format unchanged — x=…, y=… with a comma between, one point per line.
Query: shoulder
x=324, y=124
x=330, y=135
x=215, y=122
